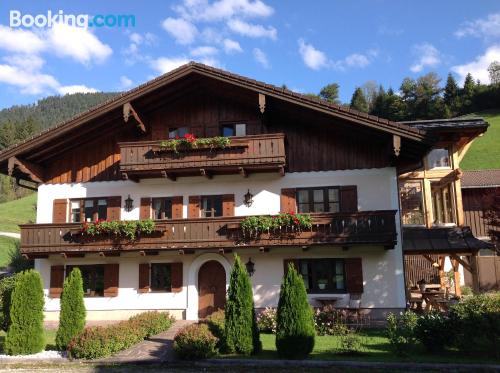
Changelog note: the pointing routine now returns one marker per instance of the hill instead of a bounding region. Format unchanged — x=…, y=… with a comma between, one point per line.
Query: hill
x=17, y=212
x=485, y=151
x=7, y=246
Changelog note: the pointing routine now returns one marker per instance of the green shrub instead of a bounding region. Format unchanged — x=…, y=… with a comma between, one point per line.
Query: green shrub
x=432, y=330
x=216, y=325
x=266, y=321
x=241, y=331
x=475, y=322
x=349, y=343
x=295, y=322
x=25, y=334
x=72, y=315
x=6, y=288
x=401, y=332
x=195, y=342
x=97, y=342
x=330, y=321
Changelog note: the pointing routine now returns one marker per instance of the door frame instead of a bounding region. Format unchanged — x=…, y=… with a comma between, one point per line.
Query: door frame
x=194, y=268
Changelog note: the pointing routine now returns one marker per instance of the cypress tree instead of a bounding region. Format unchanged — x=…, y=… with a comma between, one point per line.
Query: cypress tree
x=72, y=316
x=241, y=333
x=358, y=101
x=25, y=335
x=295, y=322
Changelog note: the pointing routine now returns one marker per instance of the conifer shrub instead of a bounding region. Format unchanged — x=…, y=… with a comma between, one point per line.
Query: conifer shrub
x=72, y=315
x=6, y=288
x=294, y=321
x=241, y=331
x=25, y=334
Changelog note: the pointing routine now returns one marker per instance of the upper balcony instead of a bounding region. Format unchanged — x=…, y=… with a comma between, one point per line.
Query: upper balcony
x=244, y=155
x=376, y=228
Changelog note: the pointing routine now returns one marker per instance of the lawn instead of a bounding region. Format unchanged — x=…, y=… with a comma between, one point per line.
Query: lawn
x=485, y=151
x=375, y=347
x=50, y=339
x=7, y=245
x=19, y=211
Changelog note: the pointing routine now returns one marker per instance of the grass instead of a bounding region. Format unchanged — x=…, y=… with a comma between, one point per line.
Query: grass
x=485, y=151
x=7, y=245
x=19, y=211
x=50, y=339
x=375, y=348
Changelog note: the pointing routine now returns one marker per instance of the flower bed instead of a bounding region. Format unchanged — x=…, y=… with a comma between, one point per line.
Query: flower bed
x=289, y=222
x=190, y=141
x=128, y=229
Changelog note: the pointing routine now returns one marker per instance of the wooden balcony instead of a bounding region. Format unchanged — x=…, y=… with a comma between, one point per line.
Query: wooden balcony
x=342, y=229
x=245, y=154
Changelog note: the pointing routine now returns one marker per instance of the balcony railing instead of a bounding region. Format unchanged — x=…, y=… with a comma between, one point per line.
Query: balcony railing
x=245, y=154
x=341, y=229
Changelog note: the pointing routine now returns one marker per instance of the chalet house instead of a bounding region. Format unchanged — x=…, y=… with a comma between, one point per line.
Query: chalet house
x=285, y=153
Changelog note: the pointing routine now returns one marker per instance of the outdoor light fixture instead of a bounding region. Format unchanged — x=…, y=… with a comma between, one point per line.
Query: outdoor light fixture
x=248, y=198
x=129, y=204
x=250, y=267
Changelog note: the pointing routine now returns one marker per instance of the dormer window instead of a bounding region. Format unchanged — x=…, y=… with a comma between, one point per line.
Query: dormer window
x=234, y=129
x=439, y=158
x=177, y=132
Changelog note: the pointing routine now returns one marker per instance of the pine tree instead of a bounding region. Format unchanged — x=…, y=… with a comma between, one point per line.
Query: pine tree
x=241, y=333
x=358, y=101
x=330, y=93
x=467, y=94
x=295, y=322
x=25, y=335
x=72, y=315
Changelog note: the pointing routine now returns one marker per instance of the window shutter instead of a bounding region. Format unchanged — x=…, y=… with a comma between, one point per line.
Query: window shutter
x=114, y=208
x=177, y=207
x=286, y=262
x=354, y=275
x=143, y=278
x=228, y=205
x=145, y=209
x=349, y=198
x=56, y=281
x=60, y=211
x=111, y=279
x=288, y=203
x=194, y=207
x=176, y=273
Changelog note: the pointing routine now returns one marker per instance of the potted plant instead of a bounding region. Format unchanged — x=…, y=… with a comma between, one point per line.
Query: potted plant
x=421, y=285
x=322, y=283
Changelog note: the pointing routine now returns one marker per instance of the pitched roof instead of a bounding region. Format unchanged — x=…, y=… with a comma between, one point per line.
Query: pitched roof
x=385, y=125
x=481, y=179
x=449, y=124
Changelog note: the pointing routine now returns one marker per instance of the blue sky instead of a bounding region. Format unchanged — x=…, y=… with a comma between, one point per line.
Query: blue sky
x=303, y=44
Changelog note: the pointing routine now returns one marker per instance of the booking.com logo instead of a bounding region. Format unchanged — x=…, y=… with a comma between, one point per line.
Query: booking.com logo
x=17, y=19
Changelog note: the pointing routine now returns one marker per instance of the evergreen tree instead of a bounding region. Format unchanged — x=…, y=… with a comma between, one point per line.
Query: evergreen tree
x=241, y=333
x=358, y=101
x=379, y=104
x=330, y=93
x=7, y=134
x=295, y=323
x=394, y=107
x=451, y=96
x=25, y=335
x=467, y=94
x=72, y=315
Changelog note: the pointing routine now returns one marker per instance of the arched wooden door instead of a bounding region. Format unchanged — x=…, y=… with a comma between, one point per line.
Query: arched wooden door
x=211, y=288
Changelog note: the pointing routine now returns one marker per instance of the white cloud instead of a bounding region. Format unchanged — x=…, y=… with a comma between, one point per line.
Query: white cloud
x=357, y=60
x=29, y=82
x=488, y=27
x=125, y=82
x=203, y=10
x=261, y=57
x=77, y=88
x=132, y=51
x=184, y=32
x=166, y=64
x=427, y=56
x=25, y=62
x=204, y=51
x=252, y=30
x=20, y=41
x=312, y=57
x=231, y=46
x=479, y=67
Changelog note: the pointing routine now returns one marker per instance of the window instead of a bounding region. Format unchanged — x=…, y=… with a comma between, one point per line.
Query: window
x=412, y=202
x=93, y=279
x=442, y=206
x=234, y=129
x=211, y=206
x=161, y=279
x=323, y=275
x=318, y=200
x=439, y=158
x=88, y=210
x=177, y=132
x=162, y=208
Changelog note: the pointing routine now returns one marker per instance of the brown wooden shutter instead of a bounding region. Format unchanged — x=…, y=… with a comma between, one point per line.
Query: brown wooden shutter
x=111, y=279
x=194, y=207
x=176, y=273
x=56, y=281
x=60, y=211
x=349, y=198
x=145, y=209
x=143, y=278
x=114, y=208
x=177, y=207
x=228, y=205
x=286, y=262
x=288, y=203
x=354, y=275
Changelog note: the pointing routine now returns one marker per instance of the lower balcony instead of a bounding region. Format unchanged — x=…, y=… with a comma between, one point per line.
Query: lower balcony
x=376, y=228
